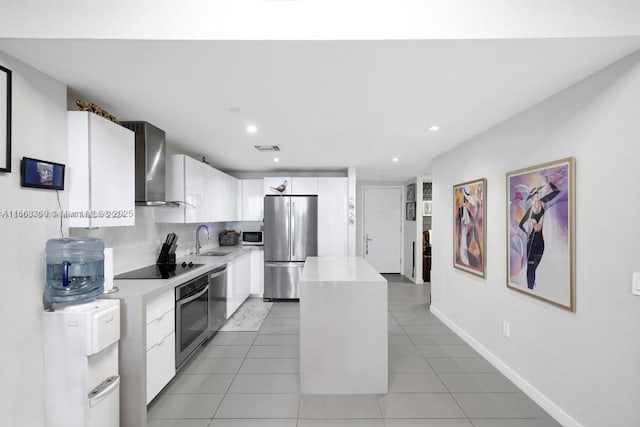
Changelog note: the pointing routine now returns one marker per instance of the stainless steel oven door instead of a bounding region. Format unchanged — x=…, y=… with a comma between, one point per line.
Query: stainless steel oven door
x=192, y=317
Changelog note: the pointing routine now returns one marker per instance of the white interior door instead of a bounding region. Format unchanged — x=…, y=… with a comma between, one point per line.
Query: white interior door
x=382, y=232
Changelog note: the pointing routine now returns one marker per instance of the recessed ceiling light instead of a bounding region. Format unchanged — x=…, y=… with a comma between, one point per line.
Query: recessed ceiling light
x=395, y=160
x=276, y=159
x=235, y=110
x=434, y=128
x=252, y=128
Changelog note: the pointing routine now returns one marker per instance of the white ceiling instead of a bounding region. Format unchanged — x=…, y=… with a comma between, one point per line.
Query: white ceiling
x=327, y=104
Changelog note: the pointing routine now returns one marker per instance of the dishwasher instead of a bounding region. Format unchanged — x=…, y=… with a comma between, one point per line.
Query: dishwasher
x=217, y=298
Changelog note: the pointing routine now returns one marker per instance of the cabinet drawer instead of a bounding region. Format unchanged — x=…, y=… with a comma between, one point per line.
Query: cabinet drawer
x=160, y=305
x=161, y=365
x=159, y=327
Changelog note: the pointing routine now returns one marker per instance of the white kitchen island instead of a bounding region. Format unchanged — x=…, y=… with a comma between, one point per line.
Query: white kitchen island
x=343, y=327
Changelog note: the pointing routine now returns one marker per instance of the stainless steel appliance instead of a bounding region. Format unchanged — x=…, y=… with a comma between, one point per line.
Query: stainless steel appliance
x=192, y=317
x=252, y=238
x=150, y=163
x=217, y=298
x=290, y=236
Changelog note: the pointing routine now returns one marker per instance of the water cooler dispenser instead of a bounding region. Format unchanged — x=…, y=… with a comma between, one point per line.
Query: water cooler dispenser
x=81, y=382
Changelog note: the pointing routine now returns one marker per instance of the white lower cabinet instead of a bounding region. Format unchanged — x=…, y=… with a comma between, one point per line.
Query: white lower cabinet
x=257, y=272
x=238, y=282
x=161, y=339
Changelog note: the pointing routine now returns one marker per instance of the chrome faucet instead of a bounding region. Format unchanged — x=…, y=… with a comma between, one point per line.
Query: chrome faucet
x=206, y=230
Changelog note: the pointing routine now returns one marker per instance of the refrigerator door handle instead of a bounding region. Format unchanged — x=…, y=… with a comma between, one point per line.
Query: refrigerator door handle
x=293, y=230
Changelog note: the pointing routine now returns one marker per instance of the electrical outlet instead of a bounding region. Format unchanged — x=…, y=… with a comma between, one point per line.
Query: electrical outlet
x=635, y=284
x=506, y=329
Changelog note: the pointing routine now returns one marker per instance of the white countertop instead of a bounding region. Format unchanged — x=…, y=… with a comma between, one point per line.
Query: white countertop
x=339, y=269
x=148, y=288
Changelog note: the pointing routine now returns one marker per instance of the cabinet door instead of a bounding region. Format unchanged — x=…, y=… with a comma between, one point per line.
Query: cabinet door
x=257, y=272
x=252, y=199
x=304, y=186
x=332, y=216
x=161, y=365
x=174, y=185
x=194, y=190
x=112, y=172
x=232, y=299
x=101, y=171
x=232, y=188
x=243, y=277
x=273, y=182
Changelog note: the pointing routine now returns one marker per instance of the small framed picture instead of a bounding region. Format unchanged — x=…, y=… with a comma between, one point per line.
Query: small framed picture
x=411, y=211
x=411, y=193
x=426, y=208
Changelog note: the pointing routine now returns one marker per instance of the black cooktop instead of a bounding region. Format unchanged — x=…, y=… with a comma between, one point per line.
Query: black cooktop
x=158, y=271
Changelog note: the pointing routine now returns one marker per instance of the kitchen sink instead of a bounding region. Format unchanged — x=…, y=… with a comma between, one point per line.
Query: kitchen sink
x=215, y=253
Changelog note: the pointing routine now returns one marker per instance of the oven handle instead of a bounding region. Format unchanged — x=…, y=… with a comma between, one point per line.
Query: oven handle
x=193, y=297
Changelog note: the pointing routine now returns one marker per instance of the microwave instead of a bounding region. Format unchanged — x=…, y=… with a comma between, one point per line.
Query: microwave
x=252, y=238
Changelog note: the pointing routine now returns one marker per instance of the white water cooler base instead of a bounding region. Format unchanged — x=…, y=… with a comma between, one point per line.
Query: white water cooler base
x=81, y=382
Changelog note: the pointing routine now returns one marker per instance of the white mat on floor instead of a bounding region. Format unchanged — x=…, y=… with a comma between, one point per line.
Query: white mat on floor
x=248, y=317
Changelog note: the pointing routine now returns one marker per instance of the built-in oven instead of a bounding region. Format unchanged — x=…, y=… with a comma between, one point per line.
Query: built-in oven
x=192, y=317
x=252, y=238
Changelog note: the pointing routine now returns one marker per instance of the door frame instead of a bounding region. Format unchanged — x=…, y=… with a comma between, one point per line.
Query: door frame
x=399, y=187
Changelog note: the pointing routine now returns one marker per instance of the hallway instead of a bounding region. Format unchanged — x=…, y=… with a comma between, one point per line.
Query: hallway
x=247, y=379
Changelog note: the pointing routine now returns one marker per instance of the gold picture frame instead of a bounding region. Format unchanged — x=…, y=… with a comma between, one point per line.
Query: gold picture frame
x=469, y=226
x=541, y=232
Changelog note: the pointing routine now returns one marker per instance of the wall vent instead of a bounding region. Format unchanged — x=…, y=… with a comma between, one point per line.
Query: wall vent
x=267, y=148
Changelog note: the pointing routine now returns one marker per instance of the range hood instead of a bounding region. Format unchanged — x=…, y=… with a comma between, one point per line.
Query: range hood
x=150, y=164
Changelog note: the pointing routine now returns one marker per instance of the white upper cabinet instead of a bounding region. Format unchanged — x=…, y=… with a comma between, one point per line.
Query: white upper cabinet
x=210, y=195
x=273, y=182
x=252, y=199
x=304, y=186
x=332, y=216
x=101, y=171
x=185, y=182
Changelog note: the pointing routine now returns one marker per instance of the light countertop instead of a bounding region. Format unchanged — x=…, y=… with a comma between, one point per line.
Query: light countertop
x=146, y=289
x=339, y=269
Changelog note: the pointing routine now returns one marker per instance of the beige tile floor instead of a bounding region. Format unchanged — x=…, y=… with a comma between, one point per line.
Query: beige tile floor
x=250, y=379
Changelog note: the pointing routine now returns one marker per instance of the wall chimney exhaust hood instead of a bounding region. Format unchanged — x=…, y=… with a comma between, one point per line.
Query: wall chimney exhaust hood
x=150, y=164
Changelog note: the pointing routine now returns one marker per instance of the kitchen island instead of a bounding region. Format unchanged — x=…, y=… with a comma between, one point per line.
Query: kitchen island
x=343, y=327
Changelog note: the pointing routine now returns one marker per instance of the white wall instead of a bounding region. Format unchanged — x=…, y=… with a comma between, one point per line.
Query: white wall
x=39, y=130
x=581, y=366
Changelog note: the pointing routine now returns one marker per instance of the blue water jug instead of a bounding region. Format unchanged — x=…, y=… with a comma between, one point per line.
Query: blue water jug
x=75, y=270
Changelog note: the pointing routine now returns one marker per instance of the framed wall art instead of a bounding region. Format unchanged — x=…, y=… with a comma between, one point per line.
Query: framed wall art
x=411, y=211
x=469, y=230
x=411, y=193
x=540, y=232
x=5, y=119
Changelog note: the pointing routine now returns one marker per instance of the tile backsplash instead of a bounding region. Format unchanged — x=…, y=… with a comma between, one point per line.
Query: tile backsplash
x=138, y=246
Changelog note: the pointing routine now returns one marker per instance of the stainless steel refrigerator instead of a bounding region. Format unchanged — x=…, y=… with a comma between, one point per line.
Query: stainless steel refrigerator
x=290, y=236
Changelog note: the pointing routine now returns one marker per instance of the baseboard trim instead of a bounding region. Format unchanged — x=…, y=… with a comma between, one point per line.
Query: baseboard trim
x=552, y=409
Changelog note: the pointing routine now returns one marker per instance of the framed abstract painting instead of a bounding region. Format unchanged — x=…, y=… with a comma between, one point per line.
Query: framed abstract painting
x=469, y=226
x=540, y=232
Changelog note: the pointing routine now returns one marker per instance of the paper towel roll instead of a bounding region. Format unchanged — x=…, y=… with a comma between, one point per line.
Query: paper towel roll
x=108, y=270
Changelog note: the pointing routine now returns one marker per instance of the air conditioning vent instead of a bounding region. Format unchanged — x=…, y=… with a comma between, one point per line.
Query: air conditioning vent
x=267, y=148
